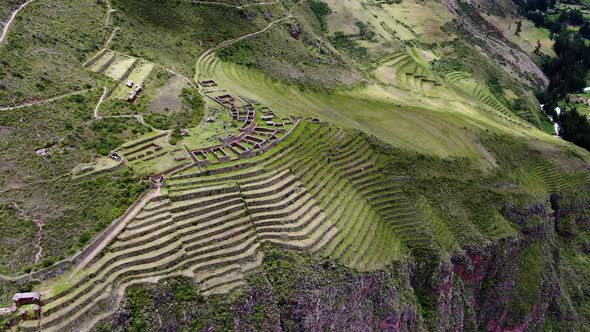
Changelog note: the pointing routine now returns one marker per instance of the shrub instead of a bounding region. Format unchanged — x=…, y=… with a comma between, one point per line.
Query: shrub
x=320, y=9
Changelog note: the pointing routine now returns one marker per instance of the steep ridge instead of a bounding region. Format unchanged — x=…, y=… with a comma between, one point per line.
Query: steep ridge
x=321, y=191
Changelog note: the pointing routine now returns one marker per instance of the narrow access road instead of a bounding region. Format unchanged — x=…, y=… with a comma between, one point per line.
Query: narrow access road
x=128, y=216
x=44, y=101
x=104, y=93
x=12, y=16
x=235, y=40
x=108, y=42
x=263, y=3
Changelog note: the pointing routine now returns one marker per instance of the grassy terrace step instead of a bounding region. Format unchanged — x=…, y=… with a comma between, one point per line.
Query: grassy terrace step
x=279, y=185
x=370, y=249
x=189, y=232
x=146, y=215
x=284, y=212
x=188, y=214
x=364, y=232
x=294, y=198
x=99, y=266
x=361, y=241
x=203, y=192
x=350, y=233
x=346, y=221
x=282, y=157
x=245, y=248
x=155, y=205
x=190, y=204
x=303, y=240
x=299, y=229
x=146, y=229
x=217, y=286
x=195, y=179
x=284, y=151
x=298, y=222
x=202, y=254
x=148, y=220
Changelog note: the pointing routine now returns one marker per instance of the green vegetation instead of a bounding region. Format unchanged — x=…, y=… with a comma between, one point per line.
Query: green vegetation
x=174, y=33
x=17, y=244
x=365, y=32
x=349, y=45
x=442, y=193
x=107, y=134
x=289, y=50
x=42, y=55
x=138, y=299
x=320, y=9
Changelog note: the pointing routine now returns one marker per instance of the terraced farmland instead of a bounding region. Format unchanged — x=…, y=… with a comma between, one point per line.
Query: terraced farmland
x=483, y=94
x=320, y=191
x=556, y=181
x=403, y=71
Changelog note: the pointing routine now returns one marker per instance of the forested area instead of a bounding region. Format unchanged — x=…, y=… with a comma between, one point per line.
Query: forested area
x=568, y=71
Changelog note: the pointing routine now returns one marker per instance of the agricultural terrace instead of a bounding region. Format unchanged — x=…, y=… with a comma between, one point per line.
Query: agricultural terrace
x=411, y=107
x=262, y=168
x=306, y=194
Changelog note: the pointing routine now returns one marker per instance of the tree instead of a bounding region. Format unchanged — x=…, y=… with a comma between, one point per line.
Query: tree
x=575, y=128
x=585, y=30
x=538, y=48
x=518, y=27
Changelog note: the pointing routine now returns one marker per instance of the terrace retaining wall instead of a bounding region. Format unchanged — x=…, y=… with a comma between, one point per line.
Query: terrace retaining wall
x=95, y=59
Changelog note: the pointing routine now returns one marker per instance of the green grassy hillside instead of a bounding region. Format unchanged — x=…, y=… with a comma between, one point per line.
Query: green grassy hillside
x=313, y=155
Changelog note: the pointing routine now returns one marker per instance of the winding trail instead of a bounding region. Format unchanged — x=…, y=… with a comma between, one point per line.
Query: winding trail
x=39, y=243
x=12, y=16
x=235, y=40
x=104, y=93
x=39, y=222
x=44, y=101
x=128, y=216
x=262, y=3
x=108, y=42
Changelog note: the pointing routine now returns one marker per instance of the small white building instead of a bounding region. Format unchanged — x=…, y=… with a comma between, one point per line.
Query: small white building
x=129, y=83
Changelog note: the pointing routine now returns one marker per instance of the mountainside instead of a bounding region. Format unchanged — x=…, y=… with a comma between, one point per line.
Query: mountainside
x=286, y=165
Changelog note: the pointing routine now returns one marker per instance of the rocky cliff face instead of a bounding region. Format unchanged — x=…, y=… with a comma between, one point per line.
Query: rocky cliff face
x=516, y=284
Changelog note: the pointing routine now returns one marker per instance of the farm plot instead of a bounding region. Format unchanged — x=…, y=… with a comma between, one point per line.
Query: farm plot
x=382, y=109
x=137, y=76
x=211, y=224
x=112, y=64
x=120, y=67
x=405, y=72
x=152, y=154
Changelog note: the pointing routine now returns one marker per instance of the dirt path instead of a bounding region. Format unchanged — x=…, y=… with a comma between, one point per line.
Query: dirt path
x=44, y=101
x=108, y=42
x=12, y=16
x=39, y=222
x=104, y=93
x=110, y=12
x=128, y=216
x=263, y=3
x=39, y=242
x=235, y=40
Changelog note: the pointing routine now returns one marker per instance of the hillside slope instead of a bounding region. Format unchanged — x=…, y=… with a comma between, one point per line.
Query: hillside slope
x=285, y=165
